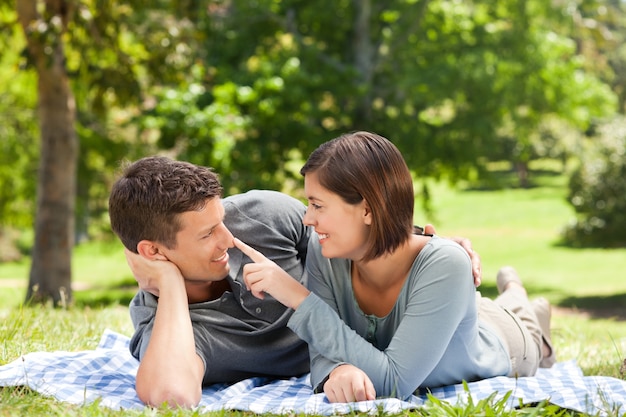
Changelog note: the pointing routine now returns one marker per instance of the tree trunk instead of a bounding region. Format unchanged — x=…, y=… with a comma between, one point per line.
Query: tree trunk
x=51, y=272
x=363, y=58
x=521, y=168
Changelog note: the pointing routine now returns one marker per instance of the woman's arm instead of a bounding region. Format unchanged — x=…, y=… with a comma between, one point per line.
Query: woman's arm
x=437, y=302
x=439, y=295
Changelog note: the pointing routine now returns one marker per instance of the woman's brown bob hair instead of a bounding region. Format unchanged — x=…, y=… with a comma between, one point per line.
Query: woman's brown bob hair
x=364, y=165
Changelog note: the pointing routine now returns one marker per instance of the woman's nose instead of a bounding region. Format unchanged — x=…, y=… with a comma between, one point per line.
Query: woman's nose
x=307, y=219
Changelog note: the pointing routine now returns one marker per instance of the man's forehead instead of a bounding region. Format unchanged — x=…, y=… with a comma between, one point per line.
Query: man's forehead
x=209, y=215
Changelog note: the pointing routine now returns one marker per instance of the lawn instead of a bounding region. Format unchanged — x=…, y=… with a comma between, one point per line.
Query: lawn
x=518, y=227
x=521, y=227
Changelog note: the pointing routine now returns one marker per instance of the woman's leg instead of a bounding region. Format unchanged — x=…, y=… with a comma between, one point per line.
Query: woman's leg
x=534, y=314
x=513, y=316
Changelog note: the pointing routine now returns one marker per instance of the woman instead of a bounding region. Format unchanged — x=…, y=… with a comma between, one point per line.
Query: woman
x=390, y=311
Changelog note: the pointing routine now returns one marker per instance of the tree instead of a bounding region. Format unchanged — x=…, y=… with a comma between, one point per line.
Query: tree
x=50, y=273
x=597, y=189
x=599, y=29
x=454, y=84
x=86, y=56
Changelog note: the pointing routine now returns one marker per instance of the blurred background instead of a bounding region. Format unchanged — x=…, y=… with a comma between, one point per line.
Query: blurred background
x=507, y=95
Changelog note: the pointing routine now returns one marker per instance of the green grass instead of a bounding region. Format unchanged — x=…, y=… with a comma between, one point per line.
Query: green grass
x=100, y=276
x=518, y=227
x=521, y=227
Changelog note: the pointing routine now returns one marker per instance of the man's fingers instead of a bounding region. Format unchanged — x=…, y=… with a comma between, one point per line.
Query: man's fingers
x=477, y=269
x=429, y=229
x=252, y=253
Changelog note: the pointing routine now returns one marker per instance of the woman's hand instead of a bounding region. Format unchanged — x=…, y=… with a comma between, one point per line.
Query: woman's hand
x=265, y=276
x=347, y=383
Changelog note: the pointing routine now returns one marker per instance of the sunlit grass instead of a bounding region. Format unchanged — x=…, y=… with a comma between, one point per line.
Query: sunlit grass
x=100, y=276
x=521, y=227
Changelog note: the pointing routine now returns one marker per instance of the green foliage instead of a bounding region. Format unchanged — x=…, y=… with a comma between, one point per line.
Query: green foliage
x=113, y=52
x=598, y=189
x=490, y=406
x=251, y=88
x=598, y=26
x=202, y=134
x=19, y=145
x=252, y=101
x=19, y=142
x=454, y=85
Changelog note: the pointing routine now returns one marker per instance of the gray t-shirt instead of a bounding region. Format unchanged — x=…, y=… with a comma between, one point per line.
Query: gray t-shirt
x=432, y=336
x=240, y=336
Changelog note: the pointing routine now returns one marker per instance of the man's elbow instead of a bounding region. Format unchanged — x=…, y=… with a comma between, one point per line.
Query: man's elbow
x=173, y=396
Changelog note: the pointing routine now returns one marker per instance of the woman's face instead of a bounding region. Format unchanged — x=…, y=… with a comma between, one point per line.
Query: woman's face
x=342, y=228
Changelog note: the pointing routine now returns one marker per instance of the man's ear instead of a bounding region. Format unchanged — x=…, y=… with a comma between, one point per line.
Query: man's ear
x=150, y=250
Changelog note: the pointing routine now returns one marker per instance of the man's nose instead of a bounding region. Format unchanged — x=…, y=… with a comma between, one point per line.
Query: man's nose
x=226, y=236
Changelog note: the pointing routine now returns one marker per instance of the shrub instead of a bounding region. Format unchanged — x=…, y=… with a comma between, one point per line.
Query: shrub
x=597, y=189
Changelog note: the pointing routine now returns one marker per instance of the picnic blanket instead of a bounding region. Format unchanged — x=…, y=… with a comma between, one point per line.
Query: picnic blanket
x=108, y=374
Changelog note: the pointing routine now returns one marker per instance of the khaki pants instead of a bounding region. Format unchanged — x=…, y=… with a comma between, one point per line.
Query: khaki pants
x=512, y=316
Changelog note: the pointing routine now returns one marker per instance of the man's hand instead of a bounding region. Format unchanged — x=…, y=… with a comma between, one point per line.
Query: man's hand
x=265, y=276
x=170, y=370
x=467, y=245
x=149, y=272
x=347, y=383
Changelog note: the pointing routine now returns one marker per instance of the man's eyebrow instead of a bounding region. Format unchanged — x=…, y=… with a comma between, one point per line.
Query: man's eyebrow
x=204, y=230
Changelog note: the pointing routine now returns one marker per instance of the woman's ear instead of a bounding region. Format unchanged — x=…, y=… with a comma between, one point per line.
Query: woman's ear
x=150, y=250
x=367, y=213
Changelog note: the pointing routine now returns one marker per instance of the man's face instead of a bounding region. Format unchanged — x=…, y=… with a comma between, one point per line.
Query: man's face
x=201, y=251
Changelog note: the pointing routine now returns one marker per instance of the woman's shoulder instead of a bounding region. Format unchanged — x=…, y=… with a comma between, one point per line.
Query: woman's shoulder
x=444, y=244
x=444, y=249
x=441, y=260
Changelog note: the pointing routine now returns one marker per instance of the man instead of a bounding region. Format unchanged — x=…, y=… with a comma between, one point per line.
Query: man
x=195, y=323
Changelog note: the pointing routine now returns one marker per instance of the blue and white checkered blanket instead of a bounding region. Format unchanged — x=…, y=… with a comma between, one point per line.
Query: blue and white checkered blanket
x=108, y=374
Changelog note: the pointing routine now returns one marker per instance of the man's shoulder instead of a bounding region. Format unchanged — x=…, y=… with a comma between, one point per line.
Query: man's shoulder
x=263, y=196
x=267, y=219
x=263, y=203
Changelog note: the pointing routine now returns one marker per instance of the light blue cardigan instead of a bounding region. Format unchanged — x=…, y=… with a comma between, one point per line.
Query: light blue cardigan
x=432, y=336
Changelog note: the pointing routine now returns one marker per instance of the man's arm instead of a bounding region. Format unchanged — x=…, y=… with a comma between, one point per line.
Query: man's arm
x=170, y=369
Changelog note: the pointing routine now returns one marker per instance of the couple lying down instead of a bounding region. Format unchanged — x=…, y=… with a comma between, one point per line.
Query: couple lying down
x=257, y=284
